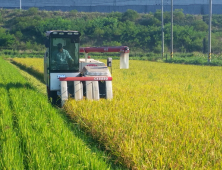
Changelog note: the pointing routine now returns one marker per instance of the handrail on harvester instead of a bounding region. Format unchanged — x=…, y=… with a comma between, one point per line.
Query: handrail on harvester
x=122, y=49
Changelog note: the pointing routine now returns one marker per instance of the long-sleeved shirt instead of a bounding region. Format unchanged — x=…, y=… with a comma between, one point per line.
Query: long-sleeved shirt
x=61, y=57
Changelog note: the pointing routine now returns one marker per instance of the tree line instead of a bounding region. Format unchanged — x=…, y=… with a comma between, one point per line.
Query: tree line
x=25, y=29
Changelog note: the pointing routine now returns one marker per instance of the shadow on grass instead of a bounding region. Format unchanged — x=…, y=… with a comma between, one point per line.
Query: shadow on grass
x=16, y=85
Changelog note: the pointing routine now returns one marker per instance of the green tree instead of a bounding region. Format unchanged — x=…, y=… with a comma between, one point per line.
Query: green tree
x=130, y=15
x=200, y=25
x=18, y=34
x=32, y=11
x=117, y=15
x=178, y=16
x=111, y=43
x=73, y=13
x=149, y=20
x=1, y=18
x=188, y=38
x=6, y=39
x=28, y=45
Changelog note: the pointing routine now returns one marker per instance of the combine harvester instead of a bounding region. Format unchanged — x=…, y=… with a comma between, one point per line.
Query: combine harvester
x=65, y=74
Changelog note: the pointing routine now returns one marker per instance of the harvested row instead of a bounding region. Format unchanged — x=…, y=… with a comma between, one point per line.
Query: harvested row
x=10, y=153
x=34, y=135
x=163, y=116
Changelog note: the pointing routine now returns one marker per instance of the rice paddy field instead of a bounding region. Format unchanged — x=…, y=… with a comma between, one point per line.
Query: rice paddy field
x=162, y=116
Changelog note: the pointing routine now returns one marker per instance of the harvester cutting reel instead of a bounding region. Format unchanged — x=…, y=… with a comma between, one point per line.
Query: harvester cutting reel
x=93, y=83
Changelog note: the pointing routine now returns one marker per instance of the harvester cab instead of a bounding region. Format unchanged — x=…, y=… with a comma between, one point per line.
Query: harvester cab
x=67, y=75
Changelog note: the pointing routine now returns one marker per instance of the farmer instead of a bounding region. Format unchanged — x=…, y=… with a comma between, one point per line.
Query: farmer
x=61, y=58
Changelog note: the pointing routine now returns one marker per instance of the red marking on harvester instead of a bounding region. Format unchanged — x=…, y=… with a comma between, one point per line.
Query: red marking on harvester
x=91, y=65
x=93, y=78
x=122, y=49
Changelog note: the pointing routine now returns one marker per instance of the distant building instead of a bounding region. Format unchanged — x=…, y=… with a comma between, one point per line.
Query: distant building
x=141, y=6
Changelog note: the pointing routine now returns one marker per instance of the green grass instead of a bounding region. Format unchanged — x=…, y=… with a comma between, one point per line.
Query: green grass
x=10, y=153
x=35, y=135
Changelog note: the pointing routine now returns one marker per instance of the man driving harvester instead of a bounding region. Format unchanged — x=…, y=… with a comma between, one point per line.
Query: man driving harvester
x=61, y=58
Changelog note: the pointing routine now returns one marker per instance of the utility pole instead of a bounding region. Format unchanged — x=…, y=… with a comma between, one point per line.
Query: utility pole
x=162, y=33
x=171, y=55
x=20, y=5
x=209, y=37
x=114, y=5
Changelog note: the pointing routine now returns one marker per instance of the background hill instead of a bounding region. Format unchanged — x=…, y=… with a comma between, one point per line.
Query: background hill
x=24, y=30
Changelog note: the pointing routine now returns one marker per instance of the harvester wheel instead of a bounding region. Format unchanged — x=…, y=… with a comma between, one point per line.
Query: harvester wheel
x=54, y=98
x=102, y=89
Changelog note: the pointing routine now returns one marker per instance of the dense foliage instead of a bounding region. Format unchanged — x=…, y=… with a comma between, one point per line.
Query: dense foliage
x=25, y=29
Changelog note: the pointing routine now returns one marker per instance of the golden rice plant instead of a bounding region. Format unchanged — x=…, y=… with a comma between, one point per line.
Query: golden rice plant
x=163, y=116
x=33, y=63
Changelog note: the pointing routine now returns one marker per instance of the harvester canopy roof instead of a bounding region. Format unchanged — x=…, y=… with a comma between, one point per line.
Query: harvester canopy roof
x=62, y=32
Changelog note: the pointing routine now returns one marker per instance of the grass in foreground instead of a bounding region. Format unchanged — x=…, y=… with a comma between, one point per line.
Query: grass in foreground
x=35, y=135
